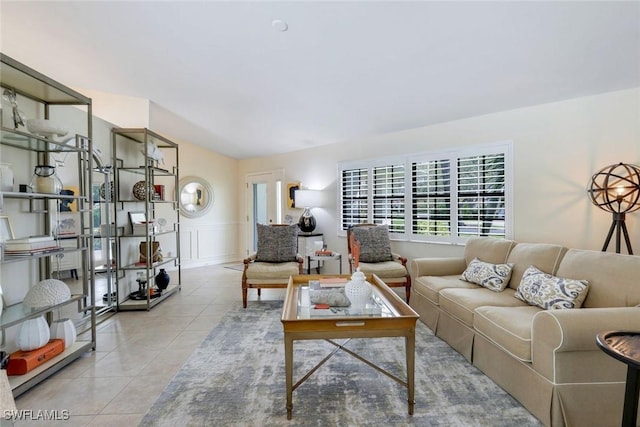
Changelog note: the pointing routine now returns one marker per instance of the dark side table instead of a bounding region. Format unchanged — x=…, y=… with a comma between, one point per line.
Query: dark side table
x=625, y=346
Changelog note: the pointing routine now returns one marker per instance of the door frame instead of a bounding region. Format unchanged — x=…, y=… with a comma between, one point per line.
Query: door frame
x=274, y=204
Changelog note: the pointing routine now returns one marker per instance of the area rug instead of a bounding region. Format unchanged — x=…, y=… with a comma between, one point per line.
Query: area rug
x=237, y=267
x=237, y=378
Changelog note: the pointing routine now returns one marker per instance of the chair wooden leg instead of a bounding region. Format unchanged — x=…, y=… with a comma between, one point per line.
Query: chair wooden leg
x=407, y=290
x=244, y=297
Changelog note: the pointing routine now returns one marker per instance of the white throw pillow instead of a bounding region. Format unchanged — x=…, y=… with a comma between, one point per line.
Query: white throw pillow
x=494, y=277
x=550, y=292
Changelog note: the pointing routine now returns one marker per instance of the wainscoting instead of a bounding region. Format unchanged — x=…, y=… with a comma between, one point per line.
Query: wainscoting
x=206, y=244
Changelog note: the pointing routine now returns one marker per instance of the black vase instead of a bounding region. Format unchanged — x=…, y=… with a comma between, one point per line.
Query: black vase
x=162, y=279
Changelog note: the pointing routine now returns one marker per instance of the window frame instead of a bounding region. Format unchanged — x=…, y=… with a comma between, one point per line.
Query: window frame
x=502, y=147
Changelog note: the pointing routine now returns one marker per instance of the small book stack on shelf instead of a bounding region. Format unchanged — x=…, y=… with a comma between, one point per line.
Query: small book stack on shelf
x=30, y=245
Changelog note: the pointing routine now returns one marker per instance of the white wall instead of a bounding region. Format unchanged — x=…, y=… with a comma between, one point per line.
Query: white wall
x=557, y=147
x=210, y=239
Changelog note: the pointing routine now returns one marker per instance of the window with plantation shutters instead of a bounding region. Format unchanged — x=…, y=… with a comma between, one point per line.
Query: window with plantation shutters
x=388, y=197
x=354, y=193
x=440, y=197
x=431, y=198
x=481, y=195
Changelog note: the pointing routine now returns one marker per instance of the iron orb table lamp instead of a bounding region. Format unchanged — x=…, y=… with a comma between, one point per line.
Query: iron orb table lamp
x=616, y=189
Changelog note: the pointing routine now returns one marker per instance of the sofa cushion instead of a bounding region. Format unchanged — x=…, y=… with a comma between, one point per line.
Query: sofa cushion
x=545, y=257
x=375, y=245
x=551, y=292
x=461, y=303
x=490, y=250
x=507, y=327
x=430, y=286
x=613, y=278
x=494, y=277
x=277, y=243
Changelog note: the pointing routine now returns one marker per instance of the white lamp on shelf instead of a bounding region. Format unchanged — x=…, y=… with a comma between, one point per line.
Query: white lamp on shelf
x=307, y=199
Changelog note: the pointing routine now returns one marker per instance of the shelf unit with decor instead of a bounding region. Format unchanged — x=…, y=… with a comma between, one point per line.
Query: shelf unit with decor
x=106, y=235
x=36, y=213
x=146, y=196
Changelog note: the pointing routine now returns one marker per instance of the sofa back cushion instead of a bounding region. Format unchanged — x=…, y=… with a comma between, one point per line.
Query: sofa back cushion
x=543, y=256
x=488, y=249
x=614, y=279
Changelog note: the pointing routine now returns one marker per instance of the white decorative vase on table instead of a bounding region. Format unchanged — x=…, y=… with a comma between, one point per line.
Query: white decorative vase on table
x=358, y=290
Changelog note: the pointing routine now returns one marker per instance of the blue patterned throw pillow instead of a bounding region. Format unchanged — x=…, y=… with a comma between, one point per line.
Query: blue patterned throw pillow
x=277, y=243
x=550, y=292
x=494, y=277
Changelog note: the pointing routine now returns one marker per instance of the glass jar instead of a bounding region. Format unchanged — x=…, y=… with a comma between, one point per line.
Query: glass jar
x=45, y=180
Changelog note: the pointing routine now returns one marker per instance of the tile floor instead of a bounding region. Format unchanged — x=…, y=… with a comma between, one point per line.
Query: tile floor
x=138, y=353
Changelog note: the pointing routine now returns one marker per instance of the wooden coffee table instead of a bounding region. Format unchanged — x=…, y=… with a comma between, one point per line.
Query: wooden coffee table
x=389, y=316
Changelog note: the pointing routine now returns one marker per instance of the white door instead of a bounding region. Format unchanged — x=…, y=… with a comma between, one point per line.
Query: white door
x=264, y=203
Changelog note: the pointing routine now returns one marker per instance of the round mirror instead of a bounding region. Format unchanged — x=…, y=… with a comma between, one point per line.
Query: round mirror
x=196, y=197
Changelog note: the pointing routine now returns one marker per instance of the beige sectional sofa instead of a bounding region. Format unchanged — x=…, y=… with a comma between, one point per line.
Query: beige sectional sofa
x=547, y=359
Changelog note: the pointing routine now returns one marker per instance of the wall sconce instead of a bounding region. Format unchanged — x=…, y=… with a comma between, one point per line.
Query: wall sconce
x=616, y=189
x=307, y=199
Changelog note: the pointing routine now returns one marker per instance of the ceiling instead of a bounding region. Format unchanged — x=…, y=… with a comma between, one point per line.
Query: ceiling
x=343, y=70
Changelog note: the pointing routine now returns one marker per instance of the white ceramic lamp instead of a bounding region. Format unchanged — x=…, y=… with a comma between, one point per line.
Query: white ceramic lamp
x=307, y=199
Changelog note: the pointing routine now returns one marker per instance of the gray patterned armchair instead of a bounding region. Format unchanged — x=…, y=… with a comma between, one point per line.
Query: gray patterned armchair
x=369, y=249
x=275, y=260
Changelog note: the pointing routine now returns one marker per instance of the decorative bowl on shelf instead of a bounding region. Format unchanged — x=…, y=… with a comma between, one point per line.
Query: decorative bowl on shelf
x=45, y=127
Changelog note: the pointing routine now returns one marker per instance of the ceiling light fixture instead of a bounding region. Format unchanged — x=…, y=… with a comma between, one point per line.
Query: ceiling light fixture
x=279, y=25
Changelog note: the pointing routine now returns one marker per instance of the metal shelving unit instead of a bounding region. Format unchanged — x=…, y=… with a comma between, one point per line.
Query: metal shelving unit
x=48, y=94
x=134, y=145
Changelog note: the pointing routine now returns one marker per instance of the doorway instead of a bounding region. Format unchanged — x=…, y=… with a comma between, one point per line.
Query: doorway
x=264, y=203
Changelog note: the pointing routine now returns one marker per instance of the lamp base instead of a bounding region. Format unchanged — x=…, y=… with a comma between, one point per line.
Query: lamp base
x=307, y=222
x=620, y=227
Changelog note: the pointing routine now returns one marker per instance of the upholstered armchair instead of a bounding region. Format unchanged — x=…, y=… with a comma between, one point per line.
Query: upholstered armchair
x=369, y=249
x=275, y=260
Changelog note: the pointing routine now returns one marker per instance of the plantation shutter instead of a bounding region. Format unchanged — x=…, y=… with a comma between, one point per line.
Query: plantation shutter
x=481, y=195
x=431, y=198
x=354, y=200
x=388, y=197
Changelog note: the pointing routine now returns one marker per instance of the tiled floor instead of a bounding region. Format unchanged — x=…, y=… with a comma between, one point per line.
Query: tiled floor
x=138, y=353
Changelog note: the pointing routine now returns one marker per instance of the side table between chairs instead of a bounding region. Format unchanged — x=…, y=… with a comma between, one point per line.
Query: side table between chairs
x=335, y=256
x=625, y=347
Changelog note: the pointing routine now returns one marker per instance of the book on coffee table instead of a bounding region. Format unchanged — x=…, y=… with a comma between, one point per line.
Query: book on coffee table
x=333, y=282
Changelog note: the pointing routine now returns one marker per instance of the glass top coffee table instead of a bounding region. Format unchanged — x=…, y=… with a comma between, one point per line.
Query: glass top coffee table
x=386, y=315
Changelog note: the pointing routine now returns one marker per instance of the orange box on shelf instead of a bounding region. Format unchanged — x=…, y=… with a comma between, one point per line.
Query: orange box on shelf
x=21, y=362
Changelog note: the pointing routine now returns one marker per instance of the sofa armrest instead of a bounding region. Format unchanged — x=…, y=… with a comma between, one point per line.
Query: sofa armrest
x=438, y=266
x=564, y=342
